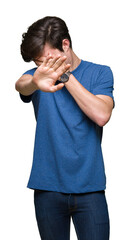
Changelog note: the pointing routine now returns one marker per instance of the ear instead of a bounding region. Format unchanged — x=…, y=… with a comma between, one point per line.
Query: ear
x=65, y=45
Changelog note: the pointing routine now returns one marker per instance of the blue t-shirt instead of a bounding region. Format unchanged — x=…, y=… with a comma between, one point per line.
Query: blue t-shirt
x=67, y=153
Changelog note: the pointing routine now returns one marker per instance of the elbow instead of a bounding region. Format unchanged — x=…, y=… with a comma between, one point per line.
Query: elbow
x=103, y=119
x=17, y=86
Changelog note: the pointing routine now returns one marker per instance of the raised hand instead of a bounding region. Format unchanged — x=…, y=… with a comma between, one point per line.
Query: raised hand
x=49, y=72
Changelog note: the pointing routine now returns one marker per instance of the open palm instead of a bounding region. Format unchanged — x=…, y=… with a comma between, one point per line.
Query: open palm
x=49, y=72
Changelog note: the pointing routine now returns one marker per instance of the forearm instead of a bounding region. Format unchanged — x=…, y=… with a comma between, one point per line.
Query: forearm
x=25, y=85
x=94, y=107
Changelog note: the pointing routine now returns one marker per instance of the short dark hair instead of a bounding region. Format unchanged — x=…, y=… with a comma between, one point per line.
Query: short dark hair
x=50, y=30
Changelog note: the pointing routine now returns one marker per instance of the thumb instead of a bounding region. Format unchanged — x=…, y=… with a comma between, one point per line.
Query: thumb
x=57, y=87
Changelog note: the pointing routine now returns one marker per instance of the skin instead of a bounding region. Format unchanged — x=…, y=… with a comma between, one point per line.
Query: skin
x=52, y=63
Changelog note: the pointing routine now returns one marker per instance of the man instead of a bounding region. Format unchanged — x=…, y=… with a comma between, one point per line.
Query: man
x=73, y=100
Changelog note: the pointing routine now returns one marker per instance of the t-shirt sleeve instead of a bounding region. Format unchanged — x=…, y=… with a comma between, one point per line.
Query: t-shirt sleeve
x=27, y=99
x=105, y=83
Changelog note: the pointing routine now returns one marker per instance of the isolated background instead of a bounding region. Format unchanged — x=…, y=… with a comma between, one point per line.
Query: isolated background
x=100, y=33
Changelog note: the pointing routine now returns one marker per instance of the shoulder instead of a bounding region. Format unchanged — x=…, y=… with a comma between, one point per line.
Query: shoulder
x=96, y=66
x=99, y=71
x=95, y=69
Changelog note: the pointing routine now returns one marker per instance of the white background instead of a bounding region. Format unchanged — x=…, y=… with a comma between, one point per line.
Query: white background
x=100, y=33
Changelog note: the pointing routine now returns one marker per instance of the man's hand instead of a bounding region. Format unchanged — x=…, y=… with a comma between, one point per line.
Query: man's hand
x=49, y=72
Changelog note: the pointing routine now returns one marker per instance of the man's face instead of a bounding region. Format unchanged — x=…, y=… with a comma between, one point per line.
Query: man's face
x=46, y=51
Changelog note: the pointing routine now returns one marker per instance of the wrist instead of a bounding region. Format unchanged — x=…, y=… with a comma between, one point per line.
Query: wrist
x=34, y=84
x=65, y=77
x=69, y=80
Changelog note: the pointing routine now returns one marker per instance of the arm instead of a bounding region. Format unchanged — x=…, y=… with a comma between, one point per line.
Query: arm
x=97, y=108
x=25, y=85
x=44, y=77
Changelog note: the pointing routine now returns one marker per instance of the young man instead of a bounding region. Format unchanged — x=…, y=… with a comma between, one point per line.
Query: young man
x=73, y=100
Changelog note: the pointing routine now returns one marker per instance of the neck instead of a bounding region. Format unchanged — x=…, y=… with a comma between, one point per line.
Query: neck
x=74, y=61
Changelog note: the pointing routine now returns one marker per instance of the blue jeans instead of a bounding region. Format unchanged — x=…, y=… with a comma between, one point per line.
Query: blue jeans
x=89, y=214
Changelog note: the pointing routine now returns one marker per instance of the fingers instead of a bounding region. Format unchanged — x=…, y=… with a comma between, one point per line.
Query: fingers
x=59, y=62
x=57, y=87
x=46, y=59
x=63, y=69
x=52, y=61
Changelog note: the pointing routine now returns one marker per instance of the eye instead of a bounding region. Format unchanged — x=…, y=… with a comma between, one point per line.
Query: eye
x=36, y=60
x=39, y=61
